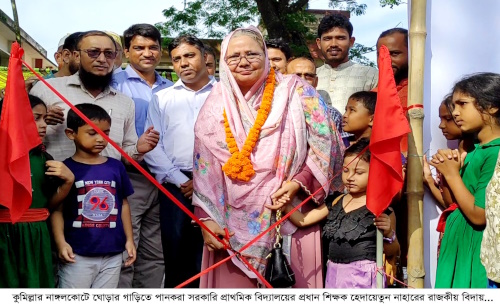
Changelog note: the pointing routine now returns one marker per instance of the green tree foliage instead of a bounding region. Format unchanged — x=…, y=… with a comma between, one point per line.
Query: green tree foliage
x=287, y=19
x=208, y=18
x=360, y=9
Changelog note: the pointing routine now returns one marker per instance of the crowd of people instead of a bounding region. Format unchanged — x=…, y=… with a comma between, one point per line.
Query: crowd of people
x=238, y=152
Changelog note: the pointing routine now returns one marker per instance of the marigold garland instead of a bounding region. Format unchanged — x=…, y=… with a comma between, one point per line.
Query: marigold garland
x=239, y=166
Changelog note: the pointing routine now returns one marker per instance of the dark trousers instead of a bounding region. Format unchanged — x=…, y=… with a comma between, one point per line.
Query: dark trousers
x=182, y=241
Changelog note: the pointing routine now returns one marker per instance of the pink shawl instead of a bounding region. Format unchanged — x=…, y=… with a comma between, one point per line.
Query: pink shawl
x=297, y=132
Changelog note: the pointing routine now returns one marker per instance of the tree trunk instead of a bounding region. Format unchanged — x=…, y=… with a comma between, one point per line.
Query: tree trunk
x=271, y=18
x=274, y=13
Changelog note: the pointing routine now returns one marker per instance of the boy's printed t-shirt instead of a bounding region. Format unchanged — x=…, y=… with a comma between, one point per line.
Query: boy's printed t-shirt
x=92, y=210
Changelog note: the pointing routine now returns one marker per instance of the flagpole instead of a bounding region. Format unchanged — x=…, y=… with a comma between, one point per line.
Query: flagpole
x=16, y=22
x=415, y=189
x=380, y=259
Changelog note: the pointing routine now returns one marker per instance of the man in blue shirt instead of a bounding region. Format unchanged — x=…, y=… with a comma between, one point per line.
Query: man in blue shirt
x=140, y=81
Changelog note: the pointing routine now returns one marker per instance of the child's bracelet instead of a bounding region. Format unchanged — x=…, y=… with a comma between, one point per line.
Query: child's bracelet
x=391, y=239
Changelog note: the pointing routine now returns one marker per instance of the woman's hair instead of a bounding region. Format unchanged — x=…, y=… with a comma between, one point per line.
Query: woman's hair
x=484, y=88
x=249, y=33
x=358, y=148
x=34, y=101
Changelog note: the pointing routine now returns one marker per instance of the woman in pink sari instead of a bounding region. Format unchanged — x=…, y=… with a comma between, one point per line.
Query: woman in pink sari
x=291, y=146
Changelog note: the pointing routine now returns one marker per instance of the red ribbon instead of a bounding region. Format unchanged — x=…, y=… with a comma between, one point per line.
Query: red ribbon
x=414, y=106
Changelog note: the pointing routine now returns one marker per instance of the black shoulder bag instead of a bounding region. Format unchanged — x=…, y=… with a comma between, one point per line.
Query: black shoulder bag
x=278, y=271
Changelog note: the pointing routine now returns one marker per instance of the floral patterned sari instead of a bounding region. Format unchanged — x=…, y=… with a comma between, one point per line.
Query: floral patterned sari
x=297, y=142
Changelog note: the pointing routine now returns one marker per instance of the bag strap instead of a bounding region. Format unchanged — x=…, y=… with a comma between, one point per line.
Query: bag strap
x=277, y=243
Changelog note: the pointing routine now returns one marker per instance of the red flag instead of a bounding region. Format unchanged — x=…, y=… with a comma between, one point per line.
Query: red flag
x=389, y=126
x=18, y=135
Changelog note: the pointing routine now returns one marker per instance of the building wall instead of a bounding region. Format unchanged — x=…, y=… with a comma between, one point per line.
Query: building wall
x=32, y=50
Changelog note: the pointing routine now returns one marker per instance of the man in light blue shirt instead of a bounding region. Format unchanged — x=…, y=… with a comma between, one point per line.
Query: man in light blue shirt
x=140, y=81
x=173, y=111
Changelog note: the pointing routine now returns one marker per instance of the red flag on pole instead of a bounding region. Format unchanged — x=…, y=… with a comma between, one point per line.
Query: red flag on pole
x=18, y=135
x=389, y=126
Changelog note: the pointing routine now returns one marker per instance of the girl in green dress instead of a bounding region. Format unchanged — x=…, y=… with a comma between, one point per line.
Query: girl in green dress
x=451, y=131
x=25, y=250
x=466, y=175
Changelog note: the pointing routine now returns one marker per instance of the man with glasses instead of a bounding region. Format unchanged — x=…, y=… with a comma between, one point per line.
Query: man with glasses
x=306, y=69
x=96, y=52
x=173, y=111
x=139, y=81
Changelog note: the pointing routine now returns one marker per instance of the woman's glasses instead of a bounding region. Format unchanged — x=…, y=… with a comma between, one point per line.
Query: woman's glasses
x=95, y=53
x=251, y=57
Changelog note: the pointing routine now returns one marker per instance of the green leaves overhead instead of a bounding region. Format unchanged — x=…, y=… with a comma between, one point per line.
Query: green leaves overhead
x=286, y=19
x=208, y=18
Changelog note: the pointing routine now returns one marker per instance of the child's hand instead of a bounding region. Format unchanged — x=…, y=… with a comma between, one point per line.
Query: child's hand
x=284, y=200
x=130, y=248
x=284, y=195
x=445, y=154
x=428, y=178
x=66, y=253
x=59, y=169
x=383, y=222
x=447, y=162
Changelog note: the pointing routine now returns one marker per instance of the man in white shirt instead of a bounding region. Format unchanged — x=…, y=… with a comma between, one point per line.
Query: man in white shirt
x=341, y=77
x=173, y=111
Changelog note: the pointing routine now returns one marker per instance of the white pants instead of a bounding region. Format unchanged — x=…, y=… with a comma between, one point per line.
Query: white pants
x=91, y=272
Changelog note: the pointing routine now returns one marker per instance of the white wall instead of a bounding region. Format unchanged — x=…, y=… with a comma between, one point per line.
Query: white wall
x=462, y=38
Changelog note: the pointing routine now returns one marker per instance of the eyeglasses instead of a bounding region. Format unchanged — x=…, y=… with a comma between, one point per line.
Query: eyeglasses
x=251, y=57
x=307, y=76
x=95, y=53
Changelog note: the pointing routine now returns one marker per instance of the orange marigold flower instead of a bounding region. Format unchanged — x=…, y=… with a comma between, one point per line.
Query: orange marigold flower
x=239, y=166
